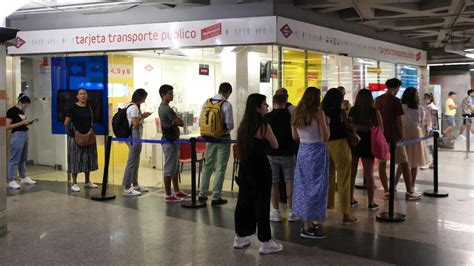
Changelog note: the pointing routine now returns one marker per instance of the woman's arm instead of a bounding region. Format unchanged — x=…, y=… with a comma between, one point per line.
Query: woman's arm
x=294, y=133
x=67, y=123
x=323, y=125
x=270, y=137
x=10, y=126
x=379, y=119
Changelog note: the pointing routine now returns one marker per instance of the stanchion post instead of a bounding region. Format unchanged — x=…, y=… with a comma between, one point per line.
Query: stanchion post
x=391, y=216
x=193, y=203
x=434, y=192
x=103, y=195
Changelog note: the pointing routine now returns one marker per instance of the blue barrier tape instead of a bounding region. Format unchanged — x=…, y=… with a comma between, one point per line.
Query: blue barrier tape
x=153, y=141
x=180, y=141
x=413, y=141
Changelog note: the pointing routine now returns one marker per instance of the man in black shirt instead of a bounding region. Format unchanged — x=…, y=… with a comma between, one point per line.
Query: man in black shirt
x=283, y=158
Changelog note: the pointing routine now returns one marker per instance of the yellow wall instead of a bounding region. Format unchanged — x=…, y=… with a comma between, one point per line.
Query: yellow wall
x=301, y=71
x=119, y=150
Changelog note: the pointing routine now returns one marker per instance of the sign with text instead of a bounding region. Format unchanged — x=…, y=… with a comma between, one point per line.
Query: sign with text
x=309, y=36
x=257, y=30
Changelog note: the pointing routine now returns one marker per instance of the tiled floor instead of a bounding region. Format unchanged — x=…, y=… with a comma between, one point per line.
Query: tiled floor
x=49, y=224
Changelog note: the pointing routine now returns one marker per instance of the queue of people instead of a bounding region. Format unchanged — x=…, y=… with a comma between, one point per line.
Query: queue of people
x=325, y=159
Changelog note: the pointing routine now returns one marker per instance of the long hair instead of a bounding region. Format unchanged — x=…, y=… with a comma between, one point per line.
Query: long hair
x=410, y=98
x=430, y=97
x=332, y=100
x=251, y=122
x=306, y=108
x=139, y=95
x=363, y=108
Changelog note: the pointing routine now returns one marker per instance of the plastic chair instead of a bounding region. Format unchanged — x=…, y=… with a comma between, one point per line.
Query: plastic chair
x=235, y=166
x=185, y=157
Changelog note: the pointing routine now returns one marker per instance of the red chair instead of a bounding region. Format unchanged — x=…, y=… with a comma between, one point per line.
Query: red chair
x=185, y=157
x=235, y=167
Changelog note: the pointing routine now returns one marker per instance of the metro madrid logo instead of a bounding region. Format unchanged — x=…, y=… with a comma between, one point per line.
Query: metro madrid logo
x=286, y=31
x=19, y=42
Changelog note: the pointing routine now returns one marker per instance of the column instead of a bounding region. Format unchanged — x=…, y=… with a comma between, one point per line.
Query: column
x=3, y=142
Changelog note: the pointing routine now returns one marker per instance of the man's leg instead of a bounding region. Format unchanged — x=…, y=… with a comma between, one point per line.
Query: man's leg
x=223, y=154
x=209, y=166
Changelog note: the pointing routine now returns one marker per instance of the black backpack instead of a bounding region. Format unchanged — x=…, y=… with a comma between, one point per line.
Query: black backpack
x=120, y=125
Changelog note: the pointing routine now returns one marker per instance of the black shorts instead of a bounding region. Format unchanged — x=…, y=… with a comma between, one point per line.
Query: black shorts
x=467, y=118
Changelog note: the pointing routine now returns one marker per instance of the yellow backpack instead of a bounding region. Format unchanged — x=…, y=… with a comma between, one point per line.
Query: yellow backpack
x=212, y=120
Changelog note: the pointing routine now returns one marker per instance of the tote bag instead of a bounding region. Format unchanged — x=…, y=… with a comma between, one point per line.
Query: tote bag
x=379, y=146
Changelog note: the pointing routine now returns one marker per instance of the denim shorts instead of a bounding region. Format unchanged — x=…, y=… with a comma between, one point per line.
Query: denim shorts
x=450, y=120
x=285, y=164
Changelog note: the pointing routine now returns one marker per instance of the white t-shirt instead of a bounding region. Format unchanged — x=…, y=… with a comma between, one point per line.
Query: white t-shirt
x=132, y=112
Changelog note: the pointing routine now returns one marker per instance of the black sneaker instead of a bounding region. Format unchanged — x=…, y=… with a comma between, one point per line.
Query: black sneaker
x=354, y=203
x=373, y=207
x=220, y=201
x=316, y=232
x=202, y=198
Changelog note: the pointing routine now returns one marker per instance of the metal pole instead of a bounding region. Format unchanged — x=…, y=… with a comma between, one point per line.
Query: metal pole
x=434, y=192
x=391, y=216
x=103, y=195
x=193, y=203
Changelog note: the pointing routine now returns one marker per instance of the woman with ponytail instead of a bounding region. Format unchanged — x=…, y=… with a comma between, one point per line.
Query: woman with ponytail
x=18, y=124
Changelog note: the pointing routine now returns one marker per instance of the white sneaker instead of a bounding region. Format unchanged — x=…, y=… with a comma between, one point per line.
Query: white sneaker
x=241, y=242
x=90, y=185
x=75, y=188
x=275, y=216
x=140, y=189
x=292, y=217
x=131, y=192
x=270, y=247
x=462, y=137
x=425, y=167
x=27, y=181
x=13, y=185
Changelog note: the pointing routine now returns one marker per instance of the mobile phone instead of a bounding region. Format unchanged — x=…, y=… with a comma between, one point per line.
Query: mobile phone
x=35, y=120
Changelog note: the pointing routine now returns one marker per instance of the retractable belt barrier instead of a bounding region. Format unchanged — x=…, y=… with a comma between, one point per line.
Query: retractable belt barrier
x=193, y=203
x=391, y=216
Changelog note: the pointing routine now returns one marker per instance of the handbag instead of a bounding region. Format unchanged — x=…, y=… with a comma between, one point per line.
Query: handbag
x=87, y=139
x=378, y=144
x=351, y=135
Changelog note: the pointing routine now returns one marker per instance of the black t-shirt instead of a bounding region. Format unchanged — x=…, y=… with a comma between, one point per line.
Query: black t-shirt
x=280, y=121
x=337, y=128
x=81, y=118
x=17, y=115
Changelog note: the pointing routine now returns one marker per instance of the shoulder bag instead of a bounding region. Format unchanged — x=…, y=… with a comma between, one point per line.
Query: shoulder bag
x=352, y=137
x=87, y=139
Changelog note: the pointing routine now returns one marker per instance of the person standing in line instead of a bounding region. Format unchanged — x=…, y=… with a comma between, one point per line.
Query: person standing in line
x=467, y=113
x=310, y=189
x=255, y=177
x=283, y=158
x=289, y=105
x=169, y=125
x=364, y=116
x=412, y=121
x=18, y=123
x=390, y=107
x=429, y=111
x=81, y=159
x=449, y=113
x=340, y=159
x=135, y=120
x=217, y=154
x=346, y=105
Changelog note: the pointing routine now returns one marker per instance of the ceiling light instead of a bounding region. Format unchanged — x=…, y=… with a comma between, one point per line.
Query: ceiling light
x=470, y=55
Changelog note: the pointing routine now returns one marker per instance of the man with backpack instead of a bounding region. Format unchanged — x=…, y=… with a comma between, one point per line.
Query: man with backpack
x=216, y=122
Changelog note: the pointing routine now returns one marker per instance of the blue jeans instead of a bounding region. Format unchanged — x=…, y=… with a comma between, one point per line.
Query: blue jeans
x=18, y=154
